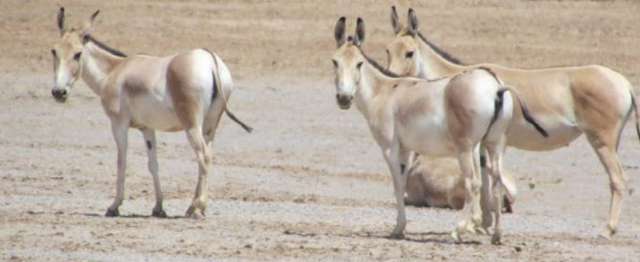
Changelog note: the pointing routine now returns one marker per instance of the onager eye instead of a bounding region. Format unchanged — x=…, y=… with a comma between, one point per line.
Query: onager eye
x=359, y=65
x=335, y=63
x=409, y=54
x=53, y=52
x=77, y=56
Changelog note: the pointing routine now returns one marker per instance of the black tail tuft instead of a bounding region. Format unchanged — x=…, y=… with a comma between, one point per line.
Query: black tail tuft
x=235, y=119
x=531, y=120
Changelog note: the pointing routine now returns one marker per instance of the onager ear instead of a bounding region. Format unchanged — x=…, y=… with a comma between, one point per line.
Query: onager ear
x=338, y=32
x=394, y=20
x=88, y=25
x=413, y=21
x=61, y=26
x=359, y=37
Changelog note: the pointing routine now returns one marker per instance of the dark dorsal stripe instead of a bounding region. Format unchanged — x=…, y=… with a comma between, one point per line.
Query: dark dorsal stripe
x=105, y=47
x=377, y=66
x=440, y=52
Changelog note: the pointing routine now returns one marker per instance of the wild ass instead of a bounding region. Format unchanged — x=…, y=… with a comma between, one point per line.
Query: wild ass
x=437, y=182
x=444, y=117
x=568, y=101
x=187, y=91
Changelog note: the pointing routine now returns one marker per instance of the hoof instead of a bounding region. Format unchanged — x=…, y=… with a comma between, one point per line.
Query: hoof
x=482, y=231
x=159, y=213
x=396, y=235
x=606, y=234
x=112, y=213
x=456, y=238
x=195, y=213
x=496, y=240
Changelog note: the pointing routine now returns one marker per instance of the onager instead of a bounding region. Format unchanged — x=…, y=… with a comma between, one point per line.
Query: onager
x=444, y=117
x=437, y=182
x=187, y=91
x=568, y=101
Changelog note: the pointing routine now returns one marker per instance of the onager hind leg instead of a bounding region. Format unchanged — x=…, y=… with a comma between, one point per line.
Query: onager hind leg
x=604, y=144
x=150, y=142
x=495, y=151
x=472, y=183
x=203, y=153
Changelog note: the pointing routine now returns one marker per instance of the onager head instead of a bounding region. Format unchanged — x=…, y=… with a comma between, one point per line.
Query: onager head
x=67, y=54
x=348, y=61
x=403, y=53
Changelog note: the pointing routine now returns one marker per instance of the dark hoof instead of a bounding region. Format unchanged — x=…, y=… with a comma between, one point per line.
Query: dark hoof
x=112, y=213
x=398, y=236
x=159, y=213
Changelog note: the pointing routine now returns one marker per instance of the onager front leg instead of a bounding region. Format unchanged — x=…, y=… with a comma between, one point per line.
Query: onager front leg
x=150, y=142
x=399, y=186
x=119, y=129
x=203, y=153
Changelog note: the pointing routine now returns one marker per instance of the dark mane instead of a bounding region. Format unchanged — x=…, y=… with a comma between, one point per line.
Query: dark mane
x=440, y=52
x=380, y=68
x=105, y=47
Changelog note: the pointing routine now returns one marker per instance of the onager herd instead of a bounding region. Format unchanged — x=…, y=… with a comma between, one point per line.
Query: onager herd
x=442, y=127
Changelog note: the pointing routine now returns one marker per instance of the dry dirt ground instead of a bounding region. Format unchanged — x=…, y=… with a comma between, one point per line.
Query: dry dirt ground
x=309, y=184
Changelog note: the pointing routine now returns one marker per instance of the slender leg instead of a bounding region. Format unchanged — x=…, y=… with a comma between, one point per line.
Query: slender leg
x=606, y=150
x=199, y=204
x=472, y=210
x=119, y=129
x=482, y=167
x=399, y=188
x=495, y=154
x=150, y=141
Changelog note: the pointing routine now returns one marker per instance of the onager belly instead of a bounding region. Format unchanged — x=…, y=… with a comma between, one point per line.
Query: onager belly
x=154, y=115
x=561, y=133
x=427, y=138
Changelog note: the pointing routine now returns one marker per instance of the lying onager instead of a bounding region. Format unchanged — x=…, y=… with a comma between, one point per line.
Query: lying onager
x=437, y=182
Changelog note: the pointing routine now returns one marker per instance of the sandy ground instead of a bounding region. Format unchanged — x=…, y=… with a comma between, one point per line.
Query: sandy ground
x=310, y=183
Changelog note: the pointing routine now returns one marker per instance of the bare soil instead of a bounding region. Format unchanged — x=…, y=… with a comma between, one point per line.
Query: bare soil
x=309, y=184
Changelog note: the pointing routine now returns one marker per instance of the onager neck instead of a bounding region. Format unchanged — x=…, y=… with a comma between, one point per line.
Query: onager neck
x=372, y=83
x=97, y=64
x=433, y=65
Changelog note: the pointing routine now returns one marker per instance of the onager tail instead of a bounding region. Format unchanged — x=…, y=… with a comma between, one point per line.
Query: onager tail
x=218, y=85
x=525, y=111
x=636, y=108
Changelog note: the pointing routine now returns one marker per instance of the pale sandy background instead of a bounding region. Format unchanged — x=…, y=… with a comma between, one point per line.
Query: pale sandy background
x=310, y=183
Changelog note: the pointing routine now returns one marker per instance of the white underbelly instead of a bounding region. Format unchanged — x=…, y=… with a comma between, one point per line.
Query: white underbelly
x=427, y=137
x=524, y=136
x=151, y=113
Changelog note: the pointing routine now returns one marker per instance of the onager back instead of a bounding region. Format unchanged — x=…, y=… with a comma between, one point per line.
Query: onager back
x=445, y=117
x=182, y=92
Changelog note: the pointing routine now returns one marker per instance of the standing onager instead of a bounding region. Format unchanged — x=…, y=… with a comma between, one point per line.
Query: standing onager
x=568, y=101
x=444, y=117
x=437, y=182
x=187, y=92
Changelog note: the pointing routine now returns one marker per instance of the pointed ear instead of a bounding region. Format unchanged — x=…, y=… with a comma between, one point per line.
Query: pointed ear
x=88, y=25
x=412, y=21
x=339, y=33
x=394, y=20
x=61, y=26
x=359, y=37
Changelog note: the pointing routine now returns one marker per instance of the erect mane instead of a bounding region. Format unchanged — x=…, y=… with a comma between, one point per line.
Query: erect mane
x=104, y=47
x=377, y=66
x=440, y=52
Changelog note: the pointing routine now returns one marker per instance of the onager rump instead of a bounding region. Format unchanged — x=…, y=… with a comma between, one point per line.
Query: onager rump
x=187, y=91
x=444, y=117
x=568, y=101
